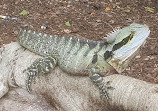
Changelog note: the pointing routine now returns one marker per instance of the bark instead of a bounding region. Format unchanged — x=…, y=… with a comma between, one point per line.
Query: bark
x=60, y=91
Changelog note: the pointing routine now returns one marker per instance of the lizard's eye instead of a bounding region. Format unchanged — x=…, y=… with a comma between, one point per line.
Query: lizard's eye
x=46, y=52
x=124, y=41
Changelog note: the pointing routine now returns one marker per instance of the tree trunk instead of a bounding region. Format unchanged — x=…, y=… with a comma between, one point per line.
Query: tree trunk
x=60, y=91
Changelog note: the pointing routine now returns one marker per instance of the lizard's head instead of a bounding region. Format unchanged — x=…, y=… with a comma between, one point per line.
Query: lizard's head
x=126, y=45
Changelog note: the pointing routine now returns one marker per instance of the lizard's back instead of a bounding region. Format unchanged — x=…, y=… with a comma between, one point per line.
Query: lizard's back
x=74, y=55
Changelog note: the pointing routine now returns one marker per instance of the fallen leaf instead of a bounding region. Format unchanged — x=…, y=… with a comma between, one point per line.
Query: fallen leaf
x=127, y=10
x=92, y=14
x=68, y=24
x=1, y=16
x=107, y=8
x=149, y=9
x=24, y=12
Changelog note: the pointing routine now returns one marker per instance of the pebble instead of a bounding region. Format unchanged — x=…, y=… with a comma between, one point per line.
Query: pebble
x=138, y=56
x=43, y=27
x=67, y=31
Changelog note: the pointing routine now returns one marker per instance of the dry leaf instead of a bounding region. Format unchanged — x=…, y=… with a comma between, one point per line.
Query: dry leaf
x=107, y=8
x=92, y=14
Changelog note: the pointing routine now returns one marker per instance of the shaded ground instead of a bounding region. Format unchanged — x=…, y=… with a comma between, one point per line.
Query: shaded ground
x=88, y=19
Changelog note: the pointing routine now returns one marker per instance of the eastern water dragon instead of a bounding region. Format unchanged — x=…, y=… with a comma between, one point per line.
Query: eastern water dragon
x=82, y=56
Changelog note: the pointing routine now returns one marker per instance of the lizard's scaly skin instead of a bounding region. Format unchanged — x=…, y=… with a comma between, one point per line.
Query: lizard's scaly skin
x=73, y=55
x=83, y=56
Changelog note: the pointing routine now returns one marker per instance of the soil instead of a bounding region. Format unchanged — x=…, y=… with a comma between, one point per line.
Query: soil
x=91, y=19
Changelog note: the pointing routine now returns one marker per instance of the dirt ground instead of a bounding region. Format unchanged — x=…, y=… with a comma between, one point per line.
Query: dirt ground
x=91, y=19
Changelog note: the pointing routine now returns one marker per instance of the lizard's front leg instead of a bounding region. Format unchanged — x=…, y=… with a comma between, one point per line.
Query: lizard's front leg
x=41, y=65
x=99, y=82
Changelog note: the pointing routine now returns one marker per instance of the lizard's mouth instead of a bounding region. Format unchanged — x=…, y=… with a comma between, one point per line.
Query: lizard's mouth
x=120, y=64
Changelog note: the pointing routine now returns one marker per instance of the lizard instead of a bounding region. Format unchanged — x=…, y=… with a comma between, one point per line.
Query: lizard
x=82, y=56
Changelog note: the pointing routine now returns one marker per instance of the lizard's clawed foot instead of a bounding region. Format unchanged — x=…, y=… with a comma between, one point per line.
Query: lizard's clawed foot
x=103, y=86
x=41, y=65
